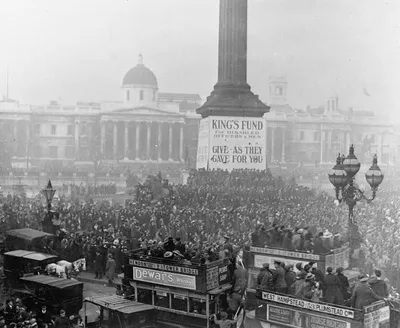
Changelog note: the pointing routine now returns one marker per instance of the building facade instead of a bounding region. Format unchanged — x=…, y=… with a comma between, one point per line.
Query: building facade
x=317, y=135
x=145, y=127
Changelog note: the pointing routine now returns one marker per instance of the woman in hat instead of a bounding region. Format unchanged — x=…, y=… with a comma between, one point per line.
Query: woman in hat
x=344, y=283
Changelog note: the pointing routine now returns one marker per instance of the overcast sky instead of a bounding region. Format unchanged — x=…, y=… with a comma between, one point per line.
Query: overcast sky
x=80, y=49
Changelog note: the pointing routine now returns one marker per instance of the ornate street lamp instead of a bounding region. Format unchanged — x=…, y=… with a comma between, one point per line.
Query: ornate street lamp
x=342, y=177
x=49, y=194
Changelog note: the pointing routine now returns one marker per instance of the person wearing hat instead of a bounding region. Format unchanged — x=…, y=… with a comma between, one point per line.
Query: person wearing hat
x=363, y=295
x=62, y=321
x=43, y=316
x=265, y=278
x=224, y=322
x=290, y=278
x=378, y=285
x=332, y=290
x=279, y=278
x=312, y=291
x=299, y=285
x=344, y=283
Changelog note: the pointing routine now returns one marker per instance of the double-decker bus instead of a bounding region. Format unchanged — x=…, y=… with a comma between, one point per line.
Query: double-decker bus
x=182, y=295
x=273, y=310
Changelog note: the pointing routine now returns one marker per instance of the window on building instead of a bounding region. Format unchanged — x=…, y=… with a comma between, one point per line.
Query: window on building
x=278, y=91
x=141, y=94
x=70, y=130
x=53, y=151
x=36, y=129
x=69, y=152
x=83, y=129
x=301, y=135
x=128, y=95
x=53, y=129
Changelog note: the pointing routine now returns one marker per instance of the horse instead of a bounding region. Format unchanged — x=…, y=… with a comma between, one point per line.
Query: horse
x=55, y=269
x=72, y=268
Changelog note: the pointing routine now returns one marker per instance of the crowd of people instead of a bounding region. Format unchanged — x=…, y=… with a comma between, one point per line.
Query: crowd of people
x=89, y=190
x=310, y=283
x=242, y=206
x=14, y=314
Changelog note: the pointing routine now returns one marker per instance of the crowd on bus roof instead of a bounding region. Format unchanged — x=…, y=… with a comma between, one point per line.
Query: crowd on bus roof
x=214, y=204
x=310, y=283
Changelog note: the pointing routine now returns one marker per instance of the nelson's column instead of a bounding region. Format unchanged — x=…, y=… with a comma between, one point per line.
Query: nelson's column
x=232, y=131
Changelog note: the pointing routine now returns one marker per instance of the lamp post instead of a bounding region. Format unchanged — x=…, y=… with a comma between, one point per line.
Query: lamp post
x=342, y=177
x=49, y=194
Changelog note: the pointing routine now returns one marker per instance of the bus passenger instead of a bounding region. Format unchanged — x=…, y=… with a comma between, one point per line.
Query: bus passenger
x=224, y=322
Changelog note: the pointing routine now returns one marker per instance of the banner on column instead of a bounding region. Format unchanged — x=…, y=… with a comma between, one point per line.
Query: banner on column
x=237, y=143
x=203, y=144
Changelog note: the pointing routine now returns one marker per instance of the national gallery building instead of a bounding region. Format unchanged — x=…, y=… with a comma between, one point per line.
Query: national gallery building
x=145, y=127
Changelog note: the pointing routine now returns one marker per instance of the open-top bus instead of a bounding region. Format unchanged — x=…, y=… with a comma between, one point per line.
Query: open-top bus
x=273, y=310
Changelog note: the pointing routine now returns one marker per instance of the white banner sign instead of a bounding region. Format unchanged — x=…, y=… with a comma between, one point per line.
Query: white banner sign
x=323, y=308
x=164, y=278
x=232, y=143
x=259, y=260
x=203, y=144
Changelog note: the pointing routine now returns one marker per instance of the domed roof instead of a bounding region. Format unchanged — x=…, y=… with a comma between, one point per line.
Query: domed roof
x=140, y=74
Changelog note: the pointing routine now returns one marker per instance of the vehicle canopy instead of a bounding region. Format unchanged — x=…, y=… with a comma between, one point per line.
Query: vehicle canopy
x=28, y=239
x=56, y=293
x=116, y=311
x=20, y=262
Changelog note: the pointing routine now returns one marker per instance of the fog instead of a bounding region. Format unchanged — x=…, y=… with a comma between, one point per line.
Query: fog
x=79, y=50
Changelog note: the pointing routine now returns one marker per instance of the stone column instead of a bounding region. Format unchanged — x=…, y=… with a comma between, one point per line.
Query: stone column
x=115, y=140
x=272, y=144
x=181, y=144
x=322, y=139
x=77, y=141
x=137, y=140
x=347, y=142
x=232, y=47
x=170, y=143
x=148, y=149
x=283, y=144
x=126, y=139
x=159, y=141
x=329, y=148
x=103, y=138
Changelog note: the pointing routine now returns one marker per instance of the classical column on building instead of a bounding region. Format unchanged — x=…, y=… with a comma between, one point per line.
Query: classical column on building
x=77, y=140
x=148, y=139
x=181, y=144
x=272, y=144
x=170, y=142
x=137, y=140
x=103, y=138
x=28, y=137
x=283, y=144
x=126, y=139
x=346, y=142
x=159, y=155
x=329, y=147
x=322, y=150
x=115, y=139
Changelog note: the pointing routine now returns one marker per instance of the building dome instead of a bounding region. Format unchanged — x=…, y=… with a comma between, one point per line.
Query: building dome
x=141, y=75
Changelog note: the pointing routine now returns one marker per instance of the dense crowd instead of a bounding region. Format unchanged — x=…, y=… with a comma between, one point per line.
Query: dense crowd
x=212, y=207
x=91, y=190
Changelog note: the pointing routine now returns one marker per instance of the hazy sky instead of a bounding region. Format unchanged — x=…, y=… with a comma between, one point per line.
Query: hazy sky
x=80, y=49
